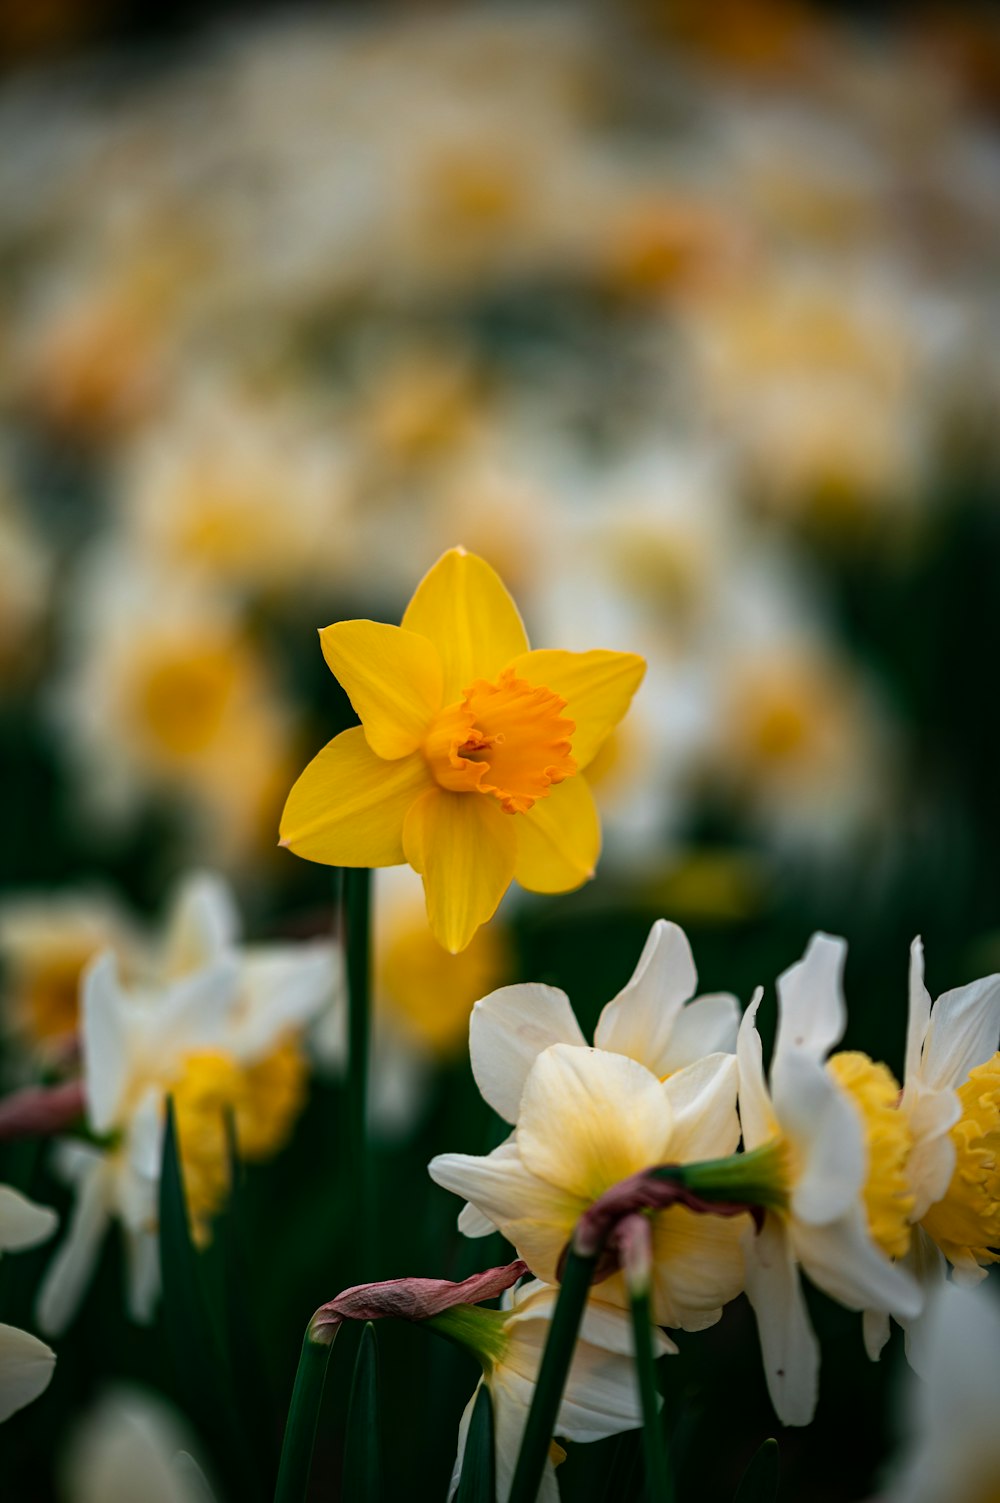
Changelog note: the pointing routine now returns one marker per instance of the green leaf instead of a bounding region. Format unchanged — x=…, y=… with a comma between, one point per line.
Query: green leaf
x=478, y=1481
x=204, y=1380
x=303, y=1417
x=362, y=1481
x=759, y=1483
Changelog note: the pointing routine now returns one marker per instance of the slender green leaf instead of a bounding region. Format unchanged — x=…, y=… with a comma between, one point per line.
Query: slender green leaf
x=659, y=1481
x=577, y=1276
x=479, y=1469
x=759, y=1483
x=362, y=1457
x=303, y=1417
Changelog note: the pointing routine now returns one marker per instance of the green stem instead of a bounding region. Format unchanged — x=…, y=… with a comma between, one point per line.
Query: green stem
x=357, y=936
x=659, y=1483
x=756, y=1178
x=551, y=1380
x=300, y=1426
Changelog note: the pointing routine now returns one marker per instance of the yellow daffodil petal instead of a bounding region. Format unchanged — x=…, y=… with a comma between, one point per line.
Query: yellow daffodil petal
x=463, y=607
x=597, y=687
x=464, y=847
x=392, y=678
x=559, y=839
x=348, y=807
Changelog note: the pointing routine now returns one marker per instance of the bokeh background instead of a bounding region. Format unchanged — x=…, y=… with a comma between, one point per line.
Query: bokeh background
x=687, y=319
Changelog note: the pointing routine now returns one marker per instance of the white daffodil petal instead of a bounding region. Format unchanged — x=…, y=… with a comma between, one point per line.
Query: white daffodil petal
x=928, y=1265
x=697, y=1267
x=640, y=1020
x=284, y=987
x=512, y=1396
x=964, y=1032
x=22, y=1222
x=103, y=1035
x=826, y=1130
x=70, y=1271
x=703, y=1099
x=875, y=1331
x=142, y=1247
x=507, y=1032
x=708, y=1025
x=843, y=1261
x=204, y=924
x=501, y=1188
x=811, y=1011
x=572, y=1130
x=472, y=1222
x=931, y=1164
x=788, y=1346
x=756, y=1112
x=26, y=1367
x=463, y=1436
x=919, y=1014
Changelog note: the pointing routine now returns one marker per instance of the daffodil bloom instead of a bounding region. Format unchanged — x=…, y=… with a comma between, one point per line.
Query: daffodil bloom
x=658, y=1088
x=951, y=1103
x=840, y=1152
x=601, y=1396
x=217, y=1030
x=26, y=1364
x=469, y=760
x=953, y=1439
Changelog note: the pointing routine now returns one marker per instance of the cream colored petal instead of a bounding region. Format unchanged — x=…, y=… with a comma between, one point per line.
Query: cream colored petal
x=841, y=1259
x=827, y=1133
x=964, y=1032
x=559, y=839
x=640, y=1021
x=589, y=1119
x=464, y=847
x=931, y=1164
x=535, y=1216
x=697, y=1266
x=22, y=1222
x=103, y=1035
x=392, y=678
x=875, y=1333
x=70, y=1271
x=708, y=1025
x=348, y=806
x=204, y=923
x=919, y=1014
x=512, y=1396
x=703, y=1099
x=507, y=1032
x=756, y=1112
x=26, y=1368
x=463, y=607
x=788, y=1345
x=811, y=1011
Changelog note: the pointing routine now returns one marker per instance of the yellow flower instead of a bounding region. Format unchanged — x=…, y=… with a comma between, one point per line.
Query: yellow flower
x=469, y=758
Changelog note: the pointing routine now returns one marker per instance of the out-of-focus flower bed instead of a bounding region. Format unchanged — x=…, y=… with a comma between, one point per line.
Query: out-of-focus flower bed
x=690, y=329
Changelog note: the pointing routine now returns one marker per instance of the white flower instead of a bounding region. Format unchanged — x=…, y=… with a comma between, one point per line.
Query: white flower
x=208, y=1002
x=601, y=1395
x=953, y=1450
x=835, y=1126
x=657, y=1088
x=26, y=1364
x=951, y=1101
x=131, y=1445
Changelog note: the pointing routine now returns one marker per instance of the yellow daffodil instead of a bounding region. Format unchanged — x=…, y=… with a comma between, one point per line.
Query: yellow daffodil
x=469, y=759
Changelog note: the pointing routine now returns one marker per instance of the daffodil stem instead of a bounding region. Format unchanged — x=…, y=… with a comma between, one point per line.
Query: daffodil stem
x=576, y=1280
x=636, y=1250
x=357, y=935
x=659, y=1483
x=303, y=1417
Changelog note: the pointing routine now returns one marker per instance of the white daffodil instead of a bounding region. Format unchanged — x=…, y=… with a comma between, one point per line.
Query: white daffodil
x=215, y=1026
x=601, y=1396
x=130, y=1444
x=841, y=1148
x=951, y=1101
x=657, y=1088
x=953, y=1450
x=26, y=1364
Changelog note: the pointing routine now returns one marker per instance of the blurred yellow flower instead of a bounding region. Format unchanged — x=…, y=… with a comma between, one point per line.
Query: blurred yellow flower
x=452, y=704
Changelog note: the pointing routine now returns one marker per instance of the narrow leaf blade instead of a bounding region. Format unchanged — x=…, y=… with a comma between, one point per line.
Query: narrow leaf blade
x=478, y=1480
x=362, y=1456
x=759, y=1483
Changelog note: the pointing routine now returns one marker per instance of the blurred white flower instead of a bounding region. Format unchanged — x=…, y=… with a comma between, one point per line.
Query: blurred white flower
x=128, y=1445
x=26, y=1364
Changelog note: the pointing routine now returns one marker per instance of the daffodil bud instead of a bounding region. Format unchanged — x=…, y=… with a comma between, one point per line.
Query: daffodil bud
x=410, y=1299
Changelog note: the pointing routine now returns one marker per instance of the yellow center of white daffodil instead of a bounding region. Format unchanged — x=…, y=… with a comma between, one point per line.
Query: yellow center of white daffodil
x=888, y=1140
x=507, y=738
x=966, y=1221
x=264, y=1099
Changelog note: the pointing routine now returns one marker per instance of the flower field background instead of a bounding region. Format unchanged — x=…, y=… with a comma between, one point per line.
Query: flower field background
x=687, y=328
